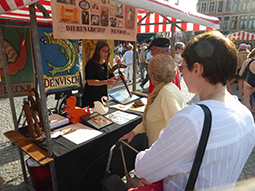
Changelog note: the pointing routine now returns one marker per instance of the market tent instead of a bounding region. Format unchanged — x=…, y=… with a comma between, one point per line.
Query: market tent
x=152, y=22
x=241, y=36
x=182, y=17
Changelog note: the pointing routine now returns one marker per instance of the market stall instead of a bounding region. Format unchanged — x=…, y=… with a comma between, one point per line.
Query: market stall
x=35, y=15
x=241, y=36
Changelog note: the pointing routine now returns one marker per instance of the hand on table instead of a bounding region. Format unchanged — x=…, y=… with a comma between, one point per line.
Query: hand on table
x=129, y=136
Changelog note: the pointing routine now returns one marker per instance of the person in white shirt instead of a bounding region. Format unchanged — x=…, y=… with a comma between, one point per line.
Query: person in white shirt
x=209, y=61
x=128, y=59
x=178, y=47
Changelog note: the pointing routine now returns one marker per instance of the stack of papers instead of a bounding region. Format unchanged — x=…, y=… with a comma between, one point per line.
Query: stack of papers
x=56, y=120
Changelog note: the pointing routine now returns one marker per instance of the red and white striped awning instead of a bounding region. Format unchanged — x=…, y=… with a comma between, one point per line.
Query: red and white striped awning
x=146, y=26
x=21, y=11
x=242, y=36
x=10, y=5
x=190, y=20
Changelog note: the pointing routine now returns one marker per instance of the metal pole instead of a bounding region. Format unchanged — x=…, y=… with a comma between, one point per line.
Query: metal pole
x=134, y=67
x=10, y=95
x=38, y=61
x=172, y=40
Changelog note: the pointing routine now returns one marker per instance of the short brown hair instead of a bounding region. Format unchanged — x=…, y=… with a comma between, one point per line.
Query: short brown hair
x=217, y=54
x=163, y=68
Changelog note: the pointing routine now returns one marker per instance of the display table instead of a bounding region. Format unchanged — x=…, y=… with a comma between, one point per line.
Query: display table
x=82, y=166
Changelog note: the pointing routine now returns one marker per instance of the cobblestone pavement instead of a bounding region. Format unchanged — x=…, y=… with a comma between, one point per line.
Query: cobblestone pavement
x=10, y=166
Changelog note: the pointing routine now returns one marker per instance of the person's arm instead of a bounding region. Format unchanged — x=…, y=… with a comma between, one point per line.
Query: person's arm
x=111, y=82
x=244, y=65
x=140, y=128
x=174, y=148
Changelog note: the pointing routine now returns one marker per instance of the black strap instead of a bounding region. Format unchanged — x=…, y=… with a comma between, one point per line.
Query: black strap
x=201, y=148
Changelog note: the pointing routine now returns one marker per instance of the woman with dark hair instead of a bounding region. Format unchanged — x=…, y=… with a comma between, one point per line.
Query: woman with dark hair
x=209, y=61
x=97, y=75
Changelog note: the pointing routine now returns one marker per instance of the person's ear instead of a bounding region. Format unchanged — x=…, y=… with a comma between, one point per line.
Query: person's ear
x=198, y=69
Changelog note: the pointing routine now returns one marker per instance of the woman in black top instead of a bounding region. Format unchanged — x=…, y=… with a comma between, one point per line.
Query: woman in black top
x=97, y=75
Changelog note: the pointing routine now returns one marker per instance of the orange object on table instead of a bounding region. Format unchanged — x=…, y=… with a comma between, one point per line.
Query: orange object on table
x=74, y=112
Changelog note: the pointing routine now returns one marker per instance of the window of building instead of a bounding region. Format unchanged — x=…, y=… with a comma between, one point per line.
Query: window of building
x=225, y=23
x=203, y=7
x=243, y=22
x=220, y=7
x=234, y=22
x=246, y=4
x=237, y=5
x=211, y=7
x=253, y=4
x=228, y=6
x=251, y=24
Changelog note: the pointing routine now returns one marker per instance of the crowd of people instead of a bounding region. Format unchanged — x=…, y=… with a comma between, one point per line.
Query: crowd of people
x=209, y=65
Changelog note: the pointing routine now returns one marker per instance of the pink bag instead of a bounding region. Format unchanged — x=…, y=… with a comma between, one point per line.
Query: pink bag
x=157, y=186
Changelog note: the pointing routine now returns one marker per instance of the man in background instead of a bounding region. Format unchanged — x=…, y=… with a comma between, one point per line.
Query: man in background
x=161, y=46
x=142, y=63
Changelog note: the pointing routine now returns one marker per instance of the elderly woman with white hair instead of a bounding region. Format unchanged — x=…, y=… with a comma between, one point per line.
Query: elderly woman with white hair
x=164, y=101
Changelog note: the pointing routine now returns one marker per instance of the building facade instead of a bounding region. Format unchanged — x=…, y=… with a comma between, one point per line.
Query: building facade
x=234, y=15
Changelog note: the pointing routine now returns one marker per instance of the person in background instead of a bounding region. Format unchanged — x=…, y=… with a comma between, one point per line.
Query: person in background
x=178, y=47
x=142, y=62
x=249, y=47
x=242, y=56
x=148, y=56
x=164, y=101
x=161, y=46
x=128, y=59
x=232, y=136
x=97, y=75
x=249, y=84
x=120, y=50
x=137, y=58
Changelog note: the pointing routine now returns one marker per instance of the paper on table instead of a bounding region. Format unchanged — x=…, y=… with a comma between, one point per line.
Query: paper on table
x=80, y=133
x=120, y=117
x=121, y=107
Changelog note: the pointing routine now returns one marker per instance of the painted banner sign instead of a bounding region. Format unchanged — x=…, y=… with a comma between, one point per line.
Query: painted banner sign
x=18, y=49
x=93, y=19
x=60, y=62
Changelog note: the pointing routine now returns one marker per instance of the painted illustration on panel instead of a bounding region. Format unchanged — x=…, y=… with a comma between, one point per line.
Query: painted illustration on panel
x=60, y=62
x=104, y=16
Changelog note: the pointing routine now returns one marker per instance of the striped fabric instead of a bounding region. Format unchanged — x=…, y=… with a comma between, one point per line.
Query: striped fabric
x=241, y=35
x=9, y=5
x=156, y=18
x=23, y=12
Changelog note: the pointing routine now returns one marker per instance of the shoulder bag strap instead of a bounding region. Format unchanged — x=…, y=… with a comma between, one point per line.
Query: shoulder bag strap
x=201, y=148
